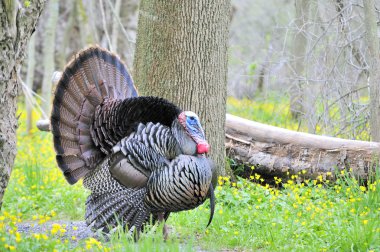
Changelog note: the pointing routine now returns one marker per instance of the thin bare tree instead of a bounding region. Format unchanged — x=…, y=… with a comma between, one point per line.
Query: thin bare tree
x=48, y=55
x=29, y=81
x=373, y=60
x=302, y=8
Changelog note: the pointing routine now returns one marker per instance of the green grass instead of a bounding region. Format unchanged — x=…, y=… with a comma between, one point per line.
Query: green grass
x=297, y=215
x=273, y=109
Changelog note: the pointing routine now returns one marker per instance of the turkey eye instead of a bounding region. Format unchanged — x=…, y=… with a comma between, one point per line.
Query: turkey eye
x=192, y=118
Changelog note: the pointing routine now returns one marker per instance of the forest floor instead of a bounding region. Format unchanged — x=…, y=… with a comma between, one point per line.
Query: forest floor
x=41, y=212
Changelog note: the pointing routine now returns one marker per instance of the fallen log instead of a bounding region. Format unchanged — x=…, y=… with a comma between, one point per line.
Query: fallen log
x=276, y=151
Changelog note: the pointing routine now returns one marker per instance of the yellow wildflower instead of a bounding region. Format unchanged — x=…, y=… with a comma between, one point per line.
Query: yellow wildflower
x=18, y=237
x=55, y=228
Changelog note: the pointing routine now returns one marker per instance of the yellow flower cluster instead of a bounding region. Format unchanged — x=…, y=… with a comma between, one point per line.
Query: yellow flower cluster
x=57, y=228
x=91, y=242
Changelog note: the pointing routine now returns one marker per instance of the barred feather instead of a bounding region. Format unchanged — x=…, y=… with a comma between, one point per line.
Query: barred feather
x=111, y=202
x=182, y=185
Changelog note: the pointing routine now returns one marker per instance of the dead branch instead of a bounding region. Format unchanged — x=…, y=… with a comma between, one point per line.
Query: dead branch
x=275, y=151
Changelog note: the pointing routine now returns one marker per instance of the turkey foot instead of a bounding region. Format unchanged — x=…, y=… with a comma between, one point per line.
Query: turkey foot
x=165, y=230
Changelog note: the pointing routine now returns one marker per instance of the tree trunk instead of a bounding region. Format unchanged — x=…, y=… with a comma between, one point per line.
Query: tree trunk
x=181, y=55
x=128, y=17
x=298, y=53
x=370, y=22
x=16, y=26
x=67, y=35
x=275, y=151
x=115, y=26
x=48, y=55
x=29, y=81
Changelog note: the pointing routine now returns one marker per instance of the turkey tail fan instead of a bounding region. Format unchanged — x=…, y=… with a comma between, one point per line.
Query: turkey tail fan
x=92, y=75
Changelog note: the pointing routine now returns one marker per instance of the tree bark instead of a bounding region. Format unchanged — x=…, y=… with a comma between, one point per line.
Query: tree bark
x=370, y=23
x=17, y=24
x=181, y=55
x=275, y=151
x=48, y=55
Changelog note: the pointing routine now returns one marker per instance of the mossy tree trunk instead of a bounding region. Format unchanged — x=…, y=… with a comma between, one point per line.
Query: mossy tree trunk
x=16, y=26
x=181, y=55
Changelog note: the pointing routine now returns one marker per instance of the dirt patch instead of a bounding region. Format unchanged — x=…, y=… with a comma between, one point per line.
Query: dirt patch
x=78, y=229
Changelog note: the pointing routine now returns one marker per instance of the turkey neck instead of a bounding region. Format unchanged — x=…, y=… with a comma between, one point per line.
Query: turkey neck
x=116, y=119
x=186, y=143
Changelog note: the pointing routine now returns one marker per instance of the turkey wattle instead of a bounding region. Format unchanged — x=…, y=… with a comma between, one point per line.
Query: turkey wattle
x=141, y=157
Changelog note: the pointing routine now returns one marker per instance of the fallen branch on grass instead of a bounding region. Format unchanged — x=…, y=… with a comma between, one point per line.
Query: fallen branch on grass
x=275, y=151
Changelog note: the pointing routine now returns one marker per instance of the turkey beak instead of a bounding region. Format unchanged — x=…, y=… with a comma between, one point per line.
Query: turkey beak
x=212, y=204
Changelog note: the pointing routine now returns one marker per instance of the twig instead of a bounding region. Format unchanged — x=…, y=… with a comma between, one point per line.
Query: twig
x=105, y=25
x=120, y=23
x=237, y=139
x=348, y=93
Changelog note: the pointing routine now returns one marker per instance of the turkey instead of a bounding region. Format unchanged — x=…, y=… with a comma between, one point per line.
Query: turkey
x=141, y=157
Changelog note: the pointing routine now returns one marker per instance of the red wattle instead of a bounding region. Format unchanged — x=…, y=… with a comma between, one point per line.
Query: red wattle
x=202, y=148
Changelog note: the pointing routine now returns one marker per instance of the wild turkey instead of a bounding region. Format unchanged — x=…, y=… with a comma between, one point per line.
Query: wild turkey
x=141, y=157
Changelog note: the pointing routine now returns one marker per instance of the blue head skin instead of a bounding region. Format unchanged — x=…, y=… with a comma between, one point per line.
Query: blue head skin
x=190, y=121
